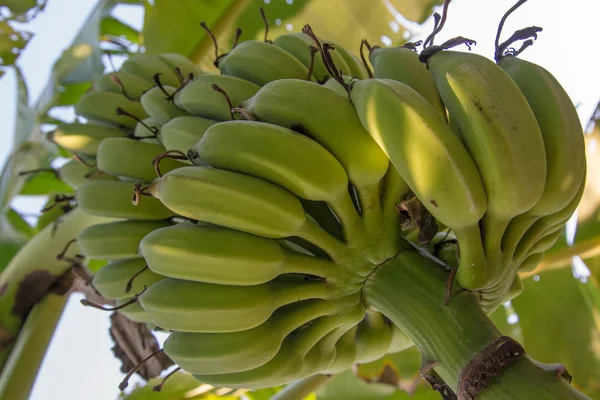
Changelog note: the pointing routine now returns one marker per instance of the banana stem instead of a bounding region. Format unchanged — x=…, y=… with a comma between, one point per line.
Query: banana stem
x=350, y=221
x=474, y=270
x=409, y=290
x=316, y=235
x=302, y=264
x=299, y=389
x=21, y=369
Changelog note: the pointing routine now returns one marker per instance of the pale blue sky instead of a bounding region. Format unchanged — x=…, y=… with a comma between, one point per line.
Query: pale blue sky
x=79, y=364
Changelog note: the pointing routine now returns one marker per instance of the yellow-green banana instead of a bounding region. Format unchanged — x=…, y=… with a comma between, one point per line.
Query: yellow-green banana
x=182, y=133
x=114, y=199
x=133, y=311
x=77, y=174
x=177, y=61
x=115, y=240
x=83, y=138
x=373, y=338
x=200, y=99
x=147, y=66
x=159, y=106
x=114, y=279
x=261, y=62
x=103, y=106
x=125, y=83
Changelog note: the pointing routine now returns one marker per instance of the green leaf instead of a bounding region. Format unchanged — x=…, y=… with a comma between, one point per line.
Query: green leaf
x=560, y=326
x=19, y=224
x=7, y=251
x=12, y=42
x=111, y=26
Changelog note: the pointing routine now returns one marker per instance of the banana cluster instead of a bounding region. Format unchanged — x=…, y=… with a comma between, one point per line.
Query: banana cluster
x=265, y=195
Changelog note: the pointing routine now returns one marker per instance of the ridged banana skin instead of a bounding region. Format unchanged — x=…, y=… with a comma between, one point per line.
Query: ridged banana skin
x=403, y=65
x=373, y=338
x=113, y=199
x=231, y=200
x=221, y=353
x=547, y=241
x=199, y=99
x=326, y=117
x=76, y=174
x=279, y=155
x=133, y=158
x=297, y=44
x=146, y=66
x=422, y=147
x=300, y=354
x=133, y=85
x=186, y=306
x=182, y=133
x=498, y=127
x=563, y=141
x=261, y=62
x=531, y=262
x=159, y=107
x=356, y=69
x=184, y=64
x=83, y=138
x=112, y=279
x=115, y=240
x=133, y=311
x=223, y=256
x=102, y=107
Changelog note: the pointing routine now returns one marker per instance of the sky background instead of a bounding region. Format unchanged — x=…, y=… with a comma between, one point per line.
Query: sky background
x=79, y=363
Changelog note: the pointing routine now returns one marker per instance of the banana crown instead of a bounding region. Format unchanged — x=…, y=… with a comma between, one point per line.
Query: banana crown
x=252, y=205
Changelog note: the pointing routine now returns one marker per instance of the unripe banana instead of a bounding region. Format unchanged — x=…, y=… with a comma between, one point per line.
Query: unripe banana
x=336, y=86
x=102, y=107
x=345, y=353
x=403, y=65
x=200, y=99
x=223, y=256
x=239, y=202
x=563, y=141
x=289, y=363
x=182, y=133
x=133, y=158
x=261, y=62
x=187, y=306
x=76, y=174
x=133, y=311
x=146, y=128
x=373, y=338
x=159, y=107
x=113, y=279
x=113, y=199
x=321, y=213
x=147, y=66
x=219, y=353
x=400, y=340
x=356, y=69
x=83, y=138
x=548, y=240
x=531, y=262
x=178, y=61
x=284, y=157
x=431, y=160
x=501, y=134
x=125, y=83
x=115, y=240
x=298, y=44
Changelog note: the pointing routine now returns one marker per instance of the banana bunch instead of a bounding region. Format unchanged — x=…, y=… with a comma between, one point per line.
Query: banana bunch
x=264, y=196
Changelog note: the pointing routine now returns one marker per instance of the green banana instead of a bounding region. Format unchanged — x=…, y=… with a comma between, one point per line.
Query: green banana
x=133, y=158
x=261, y=62
x=563, y=141
x=83, y=138
x=298, y=44
x=186, y=306
x=531, y=262
x=503, y=137
x=430, y=159
x=182, y=133
x=400, y=340
x=223, y=256
x=77, y=174
x=220, y=353
x=356, y=68
x=159, y=106
x=147, y=129
x=345, y=353
x=113, y=199
x=403, y=65
x=200, y=99
x=373, y=338
x=113, y=279
x=178, y=61
x=102, y=107
x=284, y=157
x=241, y=202
x=133, y=311
x=337, y=87
x=115, y=240
x=125, y=83
x=548, y=240
x=294, y=355
x=147, y=66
